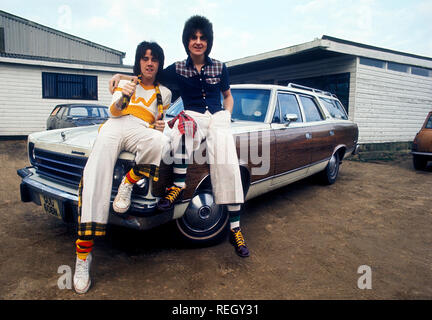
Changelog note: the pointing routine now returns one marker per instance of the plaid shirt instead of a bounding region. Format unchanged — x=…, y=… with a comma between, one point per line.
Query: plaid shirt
x=200, y=90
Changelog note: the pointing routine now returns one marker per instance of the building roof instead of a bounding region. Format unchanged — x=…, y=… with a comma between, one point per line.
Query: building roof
x=60, y=33
x=67, y=61
x=64, y=63
x=25, y=38
x=326, y=47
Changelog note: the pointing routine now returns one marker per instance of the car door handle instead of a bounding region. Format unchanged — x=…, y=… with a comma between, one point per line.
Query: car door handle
x=308, y=136
x=331, y=132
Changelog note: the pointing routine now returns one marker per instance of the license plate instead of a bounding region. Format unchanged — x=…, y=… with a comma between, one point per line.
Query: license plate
x=50, y=205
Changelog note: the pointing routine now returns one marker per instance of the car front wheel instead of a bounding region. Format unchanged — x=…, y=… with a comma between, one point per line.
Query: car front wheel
x=204, y=222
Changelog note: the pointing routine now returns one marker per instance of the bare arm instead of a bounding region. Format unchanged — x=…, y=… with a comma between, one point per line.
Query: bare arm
x=228, y=101
x=113, y=83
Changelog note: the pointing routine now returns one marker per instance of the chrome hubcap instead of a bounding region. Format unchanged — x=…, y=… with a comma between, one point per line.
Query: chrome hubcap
x=202, y=214
x=333, y=166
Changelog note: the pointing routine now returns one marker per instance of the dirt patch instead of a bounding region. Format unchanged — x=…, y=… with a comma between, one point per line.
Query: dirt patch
x=307, y=241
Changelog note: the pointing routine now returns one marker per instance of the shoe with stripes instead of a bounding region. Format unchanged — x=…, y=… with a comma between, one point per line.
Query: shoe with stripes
x=172, y=196
x=237, y=240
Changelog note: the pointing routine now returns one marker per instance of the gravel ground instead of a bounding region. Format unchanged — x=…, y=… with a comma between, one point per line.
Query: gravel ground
x=307, y=241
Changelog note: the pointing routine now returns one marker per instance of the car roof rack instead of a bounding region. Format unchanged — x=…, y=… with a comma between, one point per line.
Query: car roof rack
x=299, y=86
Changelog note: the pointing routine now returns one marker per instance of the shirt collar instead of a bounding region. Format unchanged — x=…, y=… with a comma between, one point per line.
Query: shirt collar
x=189, y=62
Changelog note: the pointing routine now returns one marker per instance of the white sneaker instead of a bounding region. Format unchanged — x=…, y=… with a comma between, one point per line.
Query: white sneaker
x=122, y=200
x=81, y=277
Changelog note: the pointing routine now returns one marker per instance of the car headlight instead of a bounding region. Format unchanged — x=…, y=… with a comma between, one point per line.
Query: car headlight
x=31, y=153
x=141, y=187
x=121, y=168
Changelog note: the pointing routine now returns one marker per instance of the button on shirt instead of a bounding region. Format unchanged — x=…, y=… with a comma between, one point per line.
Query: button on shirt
x=199, y=89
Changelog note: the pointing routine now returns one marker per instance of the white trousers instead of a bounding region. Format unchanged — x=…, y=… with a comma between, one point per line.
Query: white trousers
x=221, y=153
x=126, y=133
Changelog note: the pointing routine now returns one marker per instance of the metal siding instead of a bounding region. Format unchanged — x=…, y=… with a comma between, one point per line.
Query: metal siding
x=22, y=38
x=390, y=106
x=27, y=112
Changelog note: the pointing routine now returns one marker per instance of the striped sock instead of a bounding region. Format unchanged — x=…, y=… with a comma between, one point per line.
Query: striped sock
x=83, y=248
x=234, y=216
x=132, y=177
x=180, y=165
x=179, y=172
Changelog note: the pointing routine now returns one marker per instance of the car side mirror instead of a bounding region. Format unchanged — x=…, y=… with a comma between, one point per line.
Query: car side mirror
x=290, y=117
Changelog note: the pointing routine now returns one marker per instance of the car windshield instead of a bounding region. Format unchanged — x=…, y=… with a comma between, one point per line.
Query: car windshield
x=88, y=111
x=249, y=105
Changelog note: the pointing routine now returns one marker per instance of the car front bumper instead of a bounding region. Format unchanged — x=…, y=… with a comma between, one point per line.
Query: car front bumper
x=426, y=154
x=62, y=201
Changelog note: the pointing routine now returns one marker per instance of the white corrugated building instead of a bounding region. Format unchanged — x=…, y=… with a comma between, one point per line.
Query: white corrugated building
x=41, y=67
x=386, y=92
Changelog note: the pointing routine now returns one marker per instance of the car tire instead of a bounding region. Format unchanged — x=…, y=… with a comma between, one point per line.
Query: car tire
x=204, y=222
x=329, y=175
x=419, y=162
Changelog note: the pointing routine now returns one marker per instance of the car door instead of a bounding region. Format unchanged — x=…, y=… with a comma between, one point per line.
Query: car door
x=292, y=141
x=320, y=132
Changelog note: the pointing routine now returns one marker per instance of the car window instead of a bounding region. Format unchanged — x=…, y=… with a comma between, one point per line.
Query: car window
x=312, y=113
x=336, y=110
x=104, y=112
x=429, y=123
x=61, y=112
x=341, y=109
x=78, y=112
x=54, y=112
x=93, y=112
x=288, y=104
x=277, y=114
x=250, y=104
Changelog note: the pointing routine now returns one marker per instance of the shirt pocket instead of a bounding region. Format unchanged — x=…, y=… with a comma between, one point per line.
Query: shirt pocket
x=214, y=80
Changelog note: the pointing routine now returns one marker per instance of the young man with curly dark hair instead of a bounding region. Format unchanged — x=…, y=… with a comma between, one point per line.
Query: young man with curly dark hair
x=201, y=80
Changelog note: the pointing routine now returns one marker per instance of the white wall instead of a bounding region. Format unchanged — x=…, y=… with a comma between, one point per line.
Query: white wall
x=22, y=108
x=390, y=106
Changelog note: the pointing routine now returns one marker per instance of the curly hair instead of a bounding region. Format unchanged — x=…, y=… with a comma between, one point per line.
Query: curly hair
x=194, y=24
x=156, y=52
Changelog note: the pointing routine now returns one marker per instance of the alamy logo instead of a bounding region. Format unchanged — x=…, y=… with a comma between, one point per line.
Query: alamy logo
x=254, y=148
x=365, y=281
x=65, y=280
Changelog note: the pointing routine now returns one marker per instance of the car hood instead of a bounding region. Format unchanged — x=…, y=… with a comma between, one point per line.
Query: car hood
x=78, y=141
x=75, y=141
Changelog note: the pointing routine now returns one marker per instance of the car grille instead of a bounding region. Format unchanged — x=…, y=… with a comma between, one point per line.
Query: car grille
x=55, y=165
x=69, y=169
